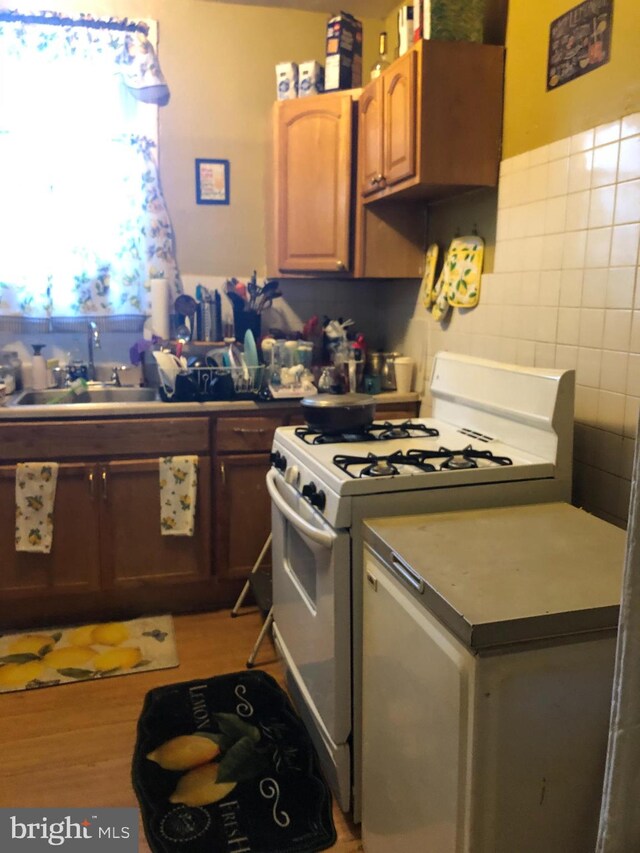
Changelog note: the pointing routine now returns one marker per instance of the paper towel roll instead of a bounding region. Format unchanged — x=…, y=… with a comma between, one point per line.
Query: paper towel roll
x=160, y=307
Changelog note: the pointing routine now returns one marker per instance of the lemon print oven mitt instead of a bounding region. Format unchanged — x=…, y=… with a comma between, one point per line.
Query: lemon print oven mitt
x=440, y=292
x=429, y=277
x=464, y=265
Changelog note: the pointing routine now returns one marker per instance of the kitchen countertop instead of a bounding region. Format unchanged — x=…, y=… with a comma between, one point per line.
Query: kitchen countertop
x=67, y=411
x=510, y=574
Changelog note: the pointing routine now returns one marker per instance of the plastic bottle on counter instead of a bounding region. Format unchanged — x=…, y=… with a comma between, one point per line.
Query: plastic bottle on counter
x=38, y=368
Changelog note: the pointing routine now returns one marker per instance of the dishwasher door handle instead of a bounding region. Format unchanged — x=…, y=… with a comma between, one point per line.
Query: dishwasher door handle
x=406, y=574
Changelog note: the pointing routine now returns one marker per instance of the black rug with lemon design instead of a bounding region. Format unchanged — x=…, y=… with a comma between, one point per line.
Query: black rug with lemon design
x=225, y=764
x=45, y=658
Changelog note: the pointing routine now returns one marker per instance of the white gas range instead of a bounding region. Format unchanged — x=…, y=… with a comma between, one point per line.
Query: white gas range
x=499, y=435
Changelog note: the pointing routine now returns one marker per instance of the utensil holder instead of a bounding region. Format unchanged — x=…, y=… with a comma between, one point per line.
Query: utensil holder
x=243, y=320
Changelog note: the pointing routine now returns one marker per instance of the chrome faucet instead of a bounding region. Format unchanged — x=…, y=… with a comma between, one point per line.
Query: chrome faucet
x=93, y=342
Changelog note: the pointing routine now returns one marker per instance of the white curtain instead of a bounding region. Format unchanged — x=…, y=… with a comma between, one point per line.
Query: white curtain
x=620, y=815
x=83, y=222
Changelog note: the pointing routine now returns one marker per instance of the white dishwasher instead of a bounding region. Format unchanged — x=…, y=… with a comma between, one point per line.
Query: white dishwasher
x=489, y=645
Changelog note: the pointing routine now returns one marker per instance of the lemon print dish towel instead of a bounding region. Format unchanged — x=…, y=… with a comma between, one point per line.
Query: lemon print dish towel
x=45, y=657
x=35, y=497
x=178, y=488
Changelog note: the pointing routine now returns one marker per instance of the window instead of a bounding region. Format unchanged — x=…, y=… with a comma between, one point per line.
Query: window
x=83, y=223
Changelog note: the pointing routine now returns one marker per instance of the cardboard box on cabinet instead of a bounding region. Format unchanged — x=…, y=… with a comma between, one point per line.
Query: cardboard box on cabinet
x=310, y=78
x=343, y=63
x=287, y=80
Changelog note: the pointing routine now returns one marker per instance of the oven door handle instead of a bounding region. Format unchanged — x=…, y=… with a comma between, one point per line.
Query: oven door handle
x=320, y=537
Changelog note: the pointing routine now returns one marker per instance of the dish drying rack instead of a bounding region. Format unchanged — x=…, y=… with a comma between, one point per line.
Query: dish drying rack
x=202, y=384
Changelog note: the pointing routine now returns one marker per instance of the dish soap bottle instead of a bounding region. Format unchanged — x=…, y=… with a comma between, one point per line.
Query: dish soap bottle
x=38, y=368
x=382, y=61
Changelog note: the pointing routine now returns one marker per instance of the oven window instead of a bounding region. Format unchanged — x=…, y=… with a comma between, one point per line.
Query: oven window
x=301, y=561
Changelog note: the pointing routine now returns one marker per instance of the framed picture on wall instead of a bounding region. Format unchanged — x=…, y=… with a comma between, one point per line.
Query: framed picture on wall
x=579, y=42
x=212, y=181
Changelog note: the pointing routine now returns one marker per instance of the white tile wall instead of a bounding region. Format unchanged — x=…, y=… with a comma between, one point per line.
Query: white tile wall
x=565, y=292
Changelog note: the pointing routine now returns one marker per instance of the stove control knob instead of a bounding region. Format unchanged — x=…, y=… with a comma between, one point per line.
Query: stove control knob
x=278, y=460
x=292, y=475
x=315, y=496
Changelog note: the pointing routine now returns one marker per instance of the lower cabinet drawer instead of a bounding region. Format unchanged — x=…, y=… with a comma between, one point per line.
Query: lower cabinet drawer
x=109, y=437
x=251, y=434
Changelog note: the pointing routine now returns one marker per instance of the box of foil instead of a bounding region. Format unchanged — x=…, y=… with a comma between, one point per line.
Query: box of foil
x=343, y=62
x=310, y=78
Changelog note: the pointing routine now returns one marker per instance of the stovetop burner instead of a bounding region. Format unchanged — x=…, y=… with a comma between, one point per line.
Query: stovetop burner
x=389, y=466
x=374, y=432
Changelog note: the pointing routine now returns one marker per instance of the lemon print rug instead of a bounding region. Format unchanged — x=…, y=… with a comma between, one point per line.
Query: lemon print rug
x=46, y=657
x=225, y=764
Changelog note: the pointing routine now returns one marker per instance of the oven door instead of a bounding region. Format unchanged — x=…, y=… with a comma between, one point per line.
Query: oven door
x=311, y=604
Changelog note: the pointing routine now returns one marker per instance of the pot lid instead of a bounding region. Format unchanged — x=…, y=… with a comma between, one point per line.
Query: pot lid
x=339, y=401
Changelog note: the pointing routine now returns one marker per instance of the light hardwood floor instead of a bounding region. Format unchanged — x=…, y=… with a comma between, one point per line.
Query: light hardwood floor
x=71, y=745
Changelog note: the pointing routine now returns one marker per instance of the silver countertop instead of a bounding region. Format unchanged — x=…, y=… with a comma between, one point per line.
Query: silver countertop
x=512, y=574
x=73, y=411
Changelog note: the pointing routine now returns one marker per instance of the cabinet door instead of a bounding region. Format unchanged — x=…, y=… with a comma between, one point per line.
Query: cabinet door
x=134, y=550
x=400, y=120
x=72, y=566
x=313, y=183
x=242, y=513
x=370, y=138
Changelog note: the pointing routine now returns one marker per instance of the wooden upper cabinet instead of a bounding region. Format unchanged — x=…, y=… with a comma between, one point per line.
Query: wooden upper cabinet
x=399, y=127
x=313, y=165
x=370, y=137
x=441, y=120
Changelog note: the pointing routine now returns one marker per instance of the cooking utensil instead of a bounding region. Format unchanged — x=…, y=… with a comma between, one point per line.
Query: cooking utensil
x=186, y=305
x=334, y=413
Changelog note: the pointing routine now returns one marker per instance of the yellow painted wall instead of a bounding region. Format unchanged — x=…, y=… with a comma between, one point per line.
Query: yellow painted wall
x=219, y=60
x=533, y=116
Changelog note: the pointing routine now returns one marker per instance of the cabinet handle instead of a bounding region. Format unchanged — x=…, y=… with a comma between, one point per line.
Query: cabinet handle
x=406, y=574
x=104, y=484
x=375, y=180
x=339, y=265
x=249, y=431
x=223, y=474
x=91, y=480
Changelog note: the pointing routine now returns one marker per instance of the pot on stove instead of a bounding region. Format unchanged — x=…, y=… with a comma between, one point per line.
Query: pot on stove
x=334, y=413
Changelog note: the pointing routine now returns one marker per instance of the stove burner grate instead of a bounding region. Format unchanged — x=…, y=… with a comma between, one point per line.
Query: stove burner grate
x=378, y=466
x=376, y=431
x=388, y=466
x=459, y=460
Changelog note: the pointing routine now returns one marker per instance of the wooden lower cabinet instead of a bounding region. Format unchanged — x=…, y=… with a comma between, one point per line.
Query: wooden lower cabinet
x=73, y=564
x=109, y=558
x=134, y=551
x=242, y=513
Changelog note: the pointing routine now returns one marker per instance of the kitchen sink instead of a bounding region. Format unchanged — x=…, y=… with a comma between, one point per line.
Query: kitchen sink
x=63, y=397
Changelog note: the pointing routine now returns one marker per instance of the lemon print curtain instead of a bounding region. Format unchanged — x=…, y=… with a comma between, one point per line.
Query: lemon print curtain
x=84, y=225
